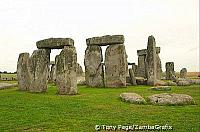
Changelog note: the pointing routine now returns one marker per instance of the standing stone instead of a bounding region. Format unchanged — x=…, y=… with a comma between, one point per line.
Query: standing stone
x=158, y=67
x=183, y=73
x=134, y=67
x=66, y=66
x=151, y=63
x=141, y=69
x=132, y=77
x=93, y=66
x=38, y=67
x=79, y=70
x=53, y=73
x=22, y=71
x=170, y=73
x=115, y=66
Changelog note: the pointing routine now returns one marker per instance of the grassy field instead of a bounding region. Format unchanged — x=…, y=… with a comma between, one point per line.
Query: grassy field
x=23, y=111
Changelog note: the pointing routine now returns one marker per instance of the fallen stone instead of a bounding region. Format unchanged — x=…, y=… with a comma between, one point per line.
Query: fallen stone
x=132, y=98
x=183, y=82
x=170, y=83
x=161, y=88
x=141, y=81
x=171, y=99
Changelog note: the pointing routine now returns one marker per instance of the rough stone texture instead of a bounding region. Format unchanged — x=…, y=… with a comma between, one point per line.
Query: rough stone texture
x=160, y=83
x=66, y=66
x=171, y=99
x=158, y=67
x=4, y=85
x=183, y=82
x=183, y=73
x=151, y=62
x=79, y=71
x=132, y=77
x=161, y=88
x=53, y=73
x=194, y=81
x=22, y=71
x=141, y=69
x=132, y=98
x=54, y=43
x=170, y=70
x=134, y=67
x=144, y=51
x=93, y=67
x=141, y=81
x=170, y=83
x=115, y=66
x=105, y=40
x=38, y=67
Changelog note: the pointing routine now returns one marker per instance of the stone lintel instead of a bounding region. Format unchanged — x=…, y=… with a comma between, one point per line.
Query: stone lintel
x=54, y=43
x=105, y=40
x=144, y=51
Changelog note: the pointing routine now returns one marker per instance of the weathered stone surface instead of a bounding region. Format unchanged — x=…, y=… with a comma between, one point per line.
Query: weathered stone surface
x=160, y=83
x=170, y=83
x=53, y=73
x=171, y=99
x=66, y=66
x=151, y=62
x=158, y=67
x=183, y=73
x=105, y=40
x=54, y=43
x=132, y=77
x=161, y=88
x=141, y=69
x=194, y=81
x=94, y=74
x=183, y=82
x=144, y=51
x=4, y=85
x=115, y=66
x=38, y=67
x=22, y=71
x=141, y=81
x=79, y=71
x=170, y=70
x=132, y=98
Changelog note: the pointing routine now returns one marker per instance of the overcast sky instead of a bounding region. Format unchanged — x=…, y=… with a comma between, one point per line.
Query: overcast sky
x=173, y=23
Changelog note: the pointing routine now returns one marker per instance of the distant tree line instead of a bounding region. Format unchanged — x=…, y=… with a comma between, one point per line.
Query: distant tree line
x=5, y=72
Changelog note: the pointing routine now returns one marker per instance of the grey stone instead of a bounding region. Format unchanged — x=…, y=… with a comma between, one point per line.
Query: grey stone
x=22, y=71
x=161, y=88
x=170, y=70
x=141, y=81
x=79, y=71
x=171, y=99
x=132, y=98
x=183, y=73
x=94, y=74
x=38, y=67
x=194, y=81
x=151, y=62
x=183, y=82
x=66, y=66
x=132, y=77
x=115, y=66
x=53, y=73
x=144, y=51
x=54, y=43
x=171, y=83
x=105, y=40
x=158, y=67
x=141, y=69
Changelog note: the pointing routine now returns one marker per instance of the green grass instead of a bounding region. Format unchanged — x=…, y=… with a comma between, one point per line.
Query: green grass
x=48, y=111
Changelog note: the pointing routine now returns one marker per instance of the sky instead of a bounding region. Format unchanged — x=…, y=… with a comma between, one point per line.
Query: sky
x=173, y=23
